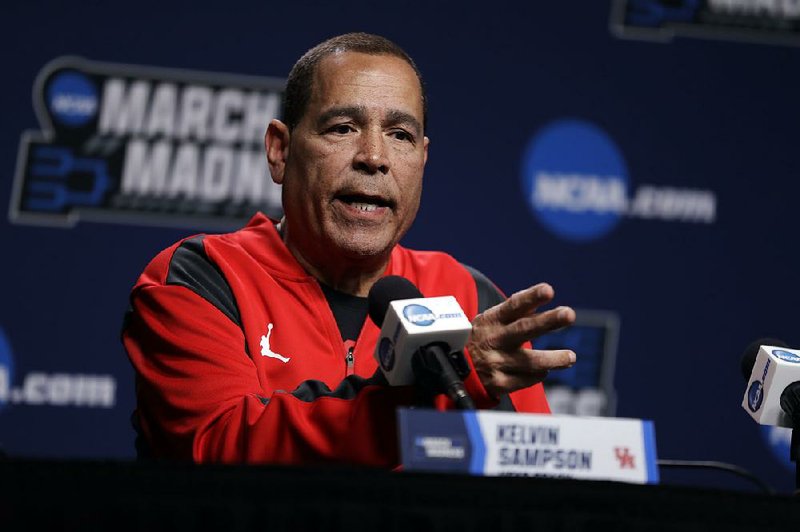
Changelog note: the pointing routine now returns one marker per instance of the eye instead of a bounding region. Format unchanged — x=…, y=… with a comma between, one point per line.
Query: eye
x=402, y=135
x=341, y=129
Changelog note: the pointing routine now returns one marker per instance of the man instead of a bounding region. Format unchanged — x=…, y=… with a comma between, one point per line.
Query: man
x=254, y=347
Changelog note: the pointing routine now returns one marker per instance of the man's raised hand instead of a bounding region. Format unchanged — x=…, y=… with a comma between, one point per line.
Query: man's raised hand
x=498, y=333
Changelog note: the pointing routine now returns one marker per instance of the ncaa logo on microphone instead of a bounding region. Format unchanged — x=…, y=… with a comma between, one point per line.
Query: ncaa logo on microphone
x=755, y=394
x=786, y=356
x=419, y=315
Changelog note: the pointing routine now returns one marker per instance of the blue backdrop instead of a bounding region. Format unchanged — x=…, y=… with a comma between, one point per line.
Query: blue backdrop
x=715, y=121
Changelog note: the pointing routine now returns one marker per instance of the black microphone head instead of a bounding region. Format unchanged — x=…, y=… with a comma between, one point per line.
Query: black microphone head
x=790, y=402
x=386, y=290
x=750, y=354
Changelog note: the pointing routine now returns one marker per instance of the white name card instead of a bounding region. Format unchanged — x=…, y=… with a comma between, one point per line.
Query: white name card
x=512, y=444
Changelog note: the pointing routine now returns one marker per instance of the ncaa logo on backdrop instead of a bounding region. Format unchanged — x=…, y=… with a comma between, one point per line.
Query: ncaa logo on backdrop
x=72, y=99
x=131, y=144
x=575, y=180
x=577, y=185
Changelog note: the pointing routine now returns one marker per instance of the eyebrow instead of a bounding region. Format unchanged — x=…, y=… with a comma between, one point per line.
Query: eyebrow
x=359, y=113
x=395, y=116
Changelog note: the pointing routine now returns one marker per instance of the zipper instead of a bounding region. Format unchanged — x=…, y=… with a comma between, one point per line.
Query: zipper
x=350, y=360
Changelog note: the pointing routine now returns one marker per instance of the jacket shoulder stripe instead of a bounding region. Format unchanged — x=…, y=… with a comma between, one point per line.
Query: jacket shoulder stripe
x=488, y=294
x=191, y=268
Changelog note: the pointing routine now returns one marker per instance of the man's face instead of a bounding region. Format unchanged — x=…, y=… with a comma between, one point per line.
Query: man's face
x=352, y=178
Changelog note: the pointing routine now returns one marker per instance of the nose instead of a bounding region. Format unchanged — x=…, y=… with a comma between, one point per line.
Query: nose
x=371, y=154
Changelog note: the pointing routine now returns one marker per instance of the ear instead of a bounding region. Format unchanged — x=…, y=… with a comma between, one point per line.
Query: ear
x=425, y=142
x=276, y=143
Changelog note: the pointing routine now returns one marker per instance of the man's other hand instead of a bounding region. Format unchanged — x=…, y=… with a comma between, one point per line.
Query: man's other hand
x=495, y=344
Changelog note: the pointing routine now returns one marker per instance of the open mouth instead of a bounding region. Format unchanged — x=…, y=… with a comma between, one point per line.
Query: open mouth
x=364, y=203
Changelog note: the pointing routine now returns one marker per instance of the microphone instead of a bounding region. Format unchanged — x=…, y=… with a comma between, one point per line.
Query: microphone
x=772, y=371
x=421, y=338
x=772, y=396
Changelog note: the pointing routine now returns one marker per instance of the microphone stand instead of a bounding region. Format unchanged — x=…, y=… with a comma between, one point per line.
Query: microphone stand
x=439, y=371
x=790, y=404
x=793, y=449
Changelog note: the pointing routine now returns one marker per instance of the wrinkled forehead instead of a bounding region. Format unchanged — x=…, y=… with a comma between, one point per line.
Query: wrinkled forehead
x=366, y=80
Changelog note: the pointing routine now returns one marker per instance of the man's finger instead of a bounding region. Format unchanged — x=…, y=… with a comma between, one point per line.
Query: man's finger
x=522, y=303
x=528, y=368
x=532, y=361
x=546, y=360
x=530, y=327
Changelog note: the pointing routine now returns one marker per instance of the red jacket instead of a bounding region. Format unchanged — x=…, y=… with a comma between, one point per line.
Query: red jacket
x=212, y=323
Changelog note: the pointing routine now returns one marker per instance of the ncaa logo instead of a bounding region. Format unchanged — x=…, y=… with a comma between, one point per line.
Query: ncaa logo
x=575, y=180
x=419, y=315
x=755, y=395
x=786, y=356
x=72, y=99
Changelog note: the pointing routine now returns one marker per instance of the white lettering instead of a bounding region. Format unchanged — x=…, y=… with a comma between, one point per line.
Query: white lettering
x=102, y=391
x=73, y=104
x=250, y=182
x=145, y=170
x=217, y=169
x=123, y=112
x=579, y=193
x=671, y=204
x=59, y=389
x=261, y=108
x=441, y=448
x=35, y=388
x=5, y=384
x=195, y=110
x=183, y=177
x=214, y=174
x=161, y=118
x=774, y=8
x=230, y=103
x=63, y=389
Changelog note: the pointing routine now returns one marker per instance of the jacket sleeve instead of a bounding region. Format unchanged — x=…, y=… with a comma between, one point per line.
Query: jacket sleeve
x=199, y=397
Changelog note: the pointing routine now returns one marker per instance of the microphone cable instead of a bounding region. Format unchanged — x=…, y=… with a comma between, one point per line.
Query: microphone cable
x=718, y=466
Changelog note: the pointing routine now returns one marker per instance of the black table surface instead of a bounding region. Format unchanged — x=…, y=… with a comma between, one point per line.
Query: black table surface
x=58, y=495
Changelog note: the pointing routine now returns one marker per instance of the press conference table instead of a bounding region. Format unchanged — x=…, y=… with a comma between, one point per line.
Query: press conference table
x=41, y=495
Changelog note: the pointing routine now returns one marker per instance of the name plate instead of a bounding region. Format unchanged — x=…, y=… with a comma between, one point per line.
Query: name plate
x=511, y=444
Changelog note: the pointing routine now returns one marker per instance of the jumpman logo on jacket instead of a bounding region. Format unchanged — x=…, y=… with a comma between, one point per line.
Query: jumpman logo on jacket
x=266, y=351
